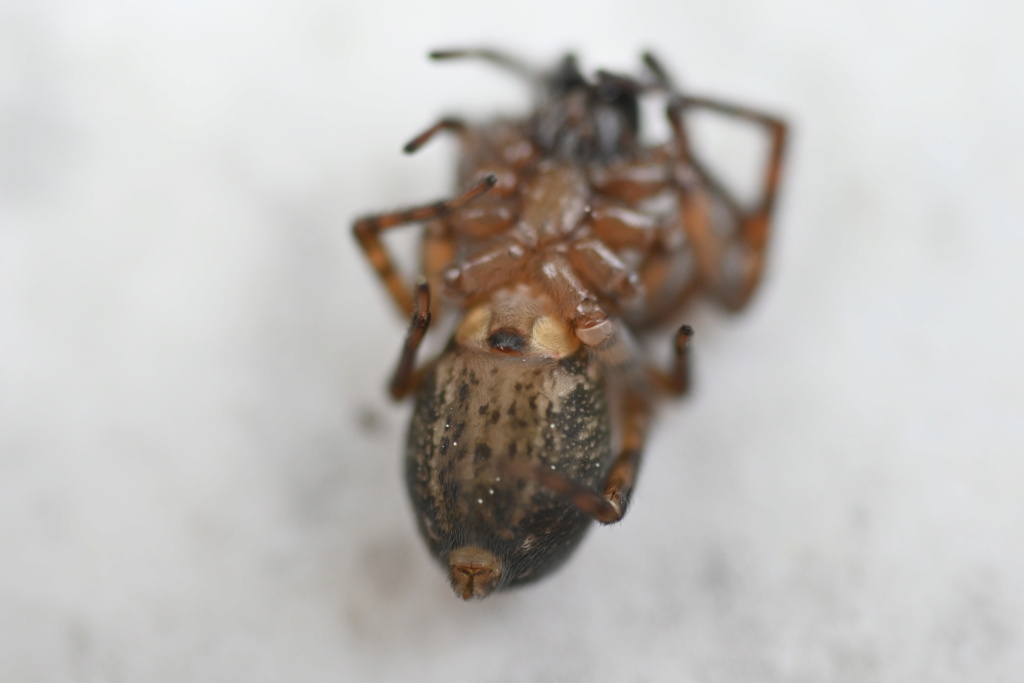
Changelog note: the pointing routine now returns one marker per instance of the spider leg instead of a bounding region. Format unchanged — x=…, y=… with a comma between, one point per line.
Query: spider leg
x=369, y=228
x=634, y=181
x=445, y=124
x=661, y=78
x=481, y=220
x=486, y=270
x=589, y=502
x=777, y=131
x=484, y=219
x=495, y=57
x=618, y=487
x=621, y=227
x=635, y=417
x=610, y=505
x=676, y=380
x=405, y=378
x=618, y=219
x=698, y=187
x=605, y=271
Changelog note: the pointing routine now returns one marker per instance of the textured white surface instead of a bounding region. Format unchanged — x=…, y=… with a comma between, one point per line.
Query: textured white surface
x=199, y=474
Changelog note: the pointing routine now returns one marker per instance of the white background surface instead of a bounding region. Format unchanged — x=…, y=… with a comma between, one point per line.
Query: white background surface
x=199, y=473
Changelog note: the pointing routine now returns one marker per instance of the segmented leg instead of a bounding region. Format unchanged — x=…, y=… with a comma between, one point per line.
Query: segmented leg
x=618, y=487
x=369, y=228
x=485, y=219
x=634, y=181
x=487, y=270
x=697, y=187
x=581, y=309
x=589, y=502
x=635, y=420
x=602, y=269
x=777, y=131
x=576, y=303
x=661, y=78
x=676, y=381
x=493, y=56
x=611, y=504
x=406, y=379
x=621, y=227
x=445, y=124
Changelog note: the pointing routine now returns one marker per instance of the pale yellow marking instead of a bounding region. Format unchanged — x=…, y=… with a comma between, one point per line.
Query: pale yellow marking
x=553, y=337
x=475, y=326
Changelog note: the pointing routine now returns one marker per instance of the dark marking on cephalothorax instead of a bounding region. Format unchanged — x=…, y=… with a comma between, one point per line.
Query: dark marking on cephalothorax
x=507, y=340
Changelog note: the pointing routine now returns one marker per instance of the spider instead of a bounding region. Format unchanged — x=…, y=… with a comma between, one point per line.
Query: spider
x=571, y=235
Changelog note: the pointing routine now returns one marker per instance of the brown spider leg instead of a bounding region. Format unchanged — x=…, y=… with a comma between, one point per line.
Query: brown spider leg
x=611, y=504
x=676, y=381
x=589, y=321
x=438, y=249
x=493, y=56
x=621, y=227
x=487, y=270
x=484, y=219
x=666, y=286
x=406, y=379
x=634, y=181
x=576, y=303
x=475, y=222
x=618, y=487
x=693, y=210
x=445, y=124
x=752, y=234
x=368, y=229
x=438, y=252
x=777, y=130
x=605, y=271
x=636, y=417
x=589, y=502
x=735, y=209
x=668, y=289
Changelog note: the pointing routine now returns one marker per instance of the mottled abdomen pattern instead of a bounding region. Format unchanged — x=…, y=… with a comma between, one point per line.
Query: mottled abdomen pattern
x=482, y=425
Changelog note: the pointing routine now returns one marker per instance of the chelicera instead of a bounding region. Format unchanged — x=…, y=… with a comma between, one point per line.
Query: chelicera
x=571, y=235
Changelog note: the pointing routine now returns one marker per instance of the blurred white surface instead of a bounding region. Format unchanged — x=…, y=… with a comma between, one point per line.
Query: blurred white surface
x=199, y=473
